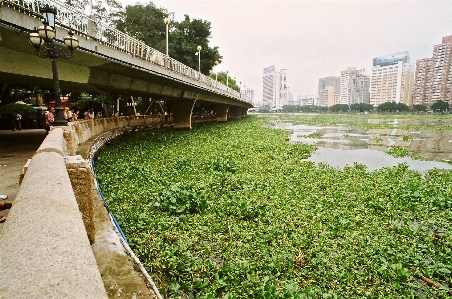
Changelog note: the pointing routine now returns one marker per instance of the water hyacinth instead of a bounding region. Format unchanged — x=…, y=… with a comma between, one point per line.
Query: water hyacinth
x=232, y=210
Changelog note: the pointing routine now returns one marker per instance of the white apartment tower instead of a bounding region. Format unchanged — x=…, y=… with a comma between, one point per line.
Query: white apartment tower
x=392, y=79
x=269, y=92
x=433, y=80
x=276, y=92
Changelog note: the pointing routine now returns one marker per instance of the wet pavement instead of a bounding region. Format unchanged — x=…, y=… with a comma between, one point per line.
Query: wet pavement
x=16, y=147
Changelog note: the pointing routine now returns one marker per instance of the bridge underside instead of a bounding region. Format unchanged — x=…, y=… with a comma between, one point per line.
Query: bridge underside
x=97, y=68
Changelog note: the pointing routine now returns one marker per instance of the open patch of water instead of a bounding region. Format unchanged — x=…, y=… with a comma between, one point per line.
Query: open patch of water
x=344, y=145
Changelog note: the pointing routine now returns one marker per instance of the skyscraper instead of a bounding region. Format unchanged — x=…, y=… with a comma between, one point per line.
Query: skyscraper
x=359, y=89
x=276, y=92
x=433, y=79
x=329, y=90
x=346, y=81
x=392, y=79
x=269, y=92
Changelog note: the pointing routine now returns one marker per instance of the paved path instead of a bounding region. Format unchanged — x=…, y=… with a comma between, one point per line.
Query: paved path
x=16, y=147
x=116, y=267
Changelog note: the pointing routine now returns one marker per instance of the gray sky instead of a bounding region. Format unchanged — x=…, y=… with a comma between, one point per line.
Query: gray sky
x=313, y=39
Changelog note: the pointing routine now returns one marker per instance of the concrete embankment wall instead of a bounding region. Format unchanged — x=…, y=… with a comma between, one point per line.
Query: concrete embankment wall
x=45, y=245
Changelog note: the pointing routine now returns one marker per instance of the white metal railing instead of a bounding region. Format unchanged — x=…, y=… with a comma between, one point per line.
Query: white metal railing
x=84, y=25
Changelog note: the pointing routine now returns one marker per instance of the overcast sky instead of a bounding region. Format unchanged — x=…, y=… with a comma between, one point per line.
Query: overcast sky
x=313, y=39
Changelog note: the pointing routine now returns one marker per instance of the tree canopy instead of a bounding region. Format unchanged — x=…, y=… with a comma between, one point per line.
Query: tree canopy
x=393, y=107
x=145, y=22
x=440, y=106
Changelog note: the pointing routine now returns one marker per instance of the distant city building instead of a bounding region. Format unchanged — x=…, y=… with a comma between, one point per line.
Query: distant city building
x=392, y=79
x=359, y=89
x=303, y=100
x=334, y=81
x=249, y=94
x=269, y=92
x=433, y=79
x=276, y=92
x=346, y=81
x=329, y=89
x=328, y=97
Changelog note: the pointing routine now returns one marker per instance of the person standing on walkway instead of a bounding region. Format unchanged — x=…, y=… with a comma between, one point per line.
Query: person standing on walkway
x=49, y=118
x=17, y=121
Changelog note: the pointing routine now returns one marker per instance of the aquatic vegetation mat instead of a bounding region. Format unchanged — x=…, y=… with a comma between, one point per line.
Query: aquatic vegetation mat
x=231, y=210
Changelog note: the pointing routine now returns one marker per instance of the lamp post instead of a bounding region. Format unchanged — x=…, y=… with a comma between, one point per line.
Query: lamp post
x=46, y=33
x=216, y=74
x=227, y=78
x=166, y=21
x=199, y=57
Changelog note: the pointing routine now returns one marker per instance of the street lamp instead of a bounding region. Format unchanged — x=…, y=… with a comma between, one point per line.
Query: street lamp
x=166, y=21
x=216, y=74
x=227, y=78
x=199, y=57
x=46, y=33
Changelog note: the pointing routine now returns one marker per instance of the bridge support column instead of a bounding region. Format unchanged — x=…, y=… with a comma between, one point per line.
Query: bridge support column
x=221, y=112
x=238, y=112
x=182, y=110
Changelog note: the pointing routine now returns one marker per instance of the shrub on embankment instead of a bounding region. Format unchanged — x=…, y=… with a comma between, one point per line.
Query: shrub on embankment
x=230, y=210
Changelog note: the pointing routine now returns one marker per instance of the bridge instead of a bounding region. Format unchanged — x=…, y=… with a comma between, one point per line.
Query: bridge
x=109, y=61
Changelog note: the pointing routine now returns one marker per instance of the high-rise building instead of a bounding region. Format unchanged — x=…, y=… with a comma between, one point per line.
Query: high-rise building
x=334, y=81
x=359, y=89
x=249, y=94
x=269, y=92
x=433, y=79
x=346, y=80
x=329, y=89
x=392, y=79
x=276, y=92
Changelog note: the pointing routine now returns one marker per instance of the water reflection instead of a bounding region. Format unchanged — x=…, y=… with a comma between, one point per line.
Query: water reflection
x=344, y=145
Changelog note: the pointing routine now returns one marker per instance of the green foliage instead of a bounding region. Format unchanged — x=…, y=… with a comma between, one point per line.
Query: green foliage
x=361, y=107
x=339, y=108
x=422, y=108
x=221, y=77
x=275, y=226
x=400, y=152
x=145, y=22
x=407, y=138
x=9, y=110
x=440, y=106
x=84, y=105
x=393, y=107
x=178, y=200
x=314, y=135
x=186, y=37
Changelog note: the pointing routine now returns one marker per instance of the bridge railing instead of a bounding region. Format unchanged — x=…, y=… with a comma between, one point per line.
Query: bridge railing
x=76, y=19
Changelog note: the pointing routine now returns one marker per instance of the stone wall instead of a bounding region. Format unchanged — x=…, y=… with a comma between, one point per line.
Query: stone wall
x=45, y=249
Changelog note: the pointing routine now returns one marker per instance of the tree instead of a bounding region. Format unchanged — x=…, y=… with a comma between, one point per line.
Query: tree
x=186, y=37
x=221, y=77
x=108, y=11
x=145, y=23
x=420, y=108
x=361, y=107
x=440, y=106
x=393, y=107
x=339, y=108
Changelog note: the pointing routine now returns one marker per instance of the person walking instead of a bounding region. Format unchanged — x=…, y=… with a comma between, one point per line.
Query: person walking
x=17, y=121
x=49, y=118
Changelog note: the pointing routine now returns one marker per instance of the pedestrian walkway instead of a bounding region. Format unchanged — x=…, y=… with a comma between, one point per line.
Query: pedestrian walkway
x=16, y=147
